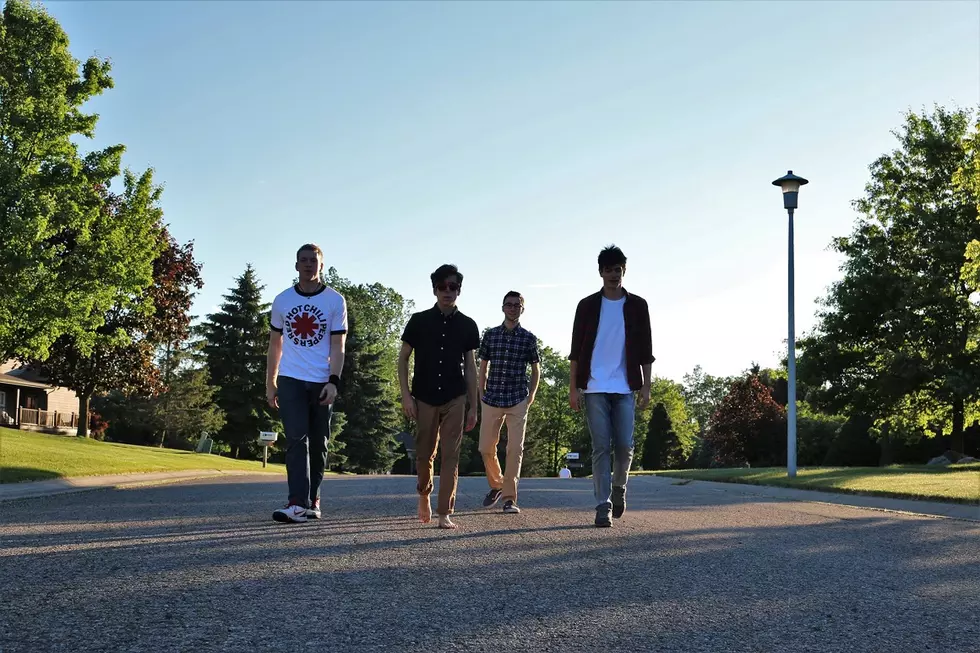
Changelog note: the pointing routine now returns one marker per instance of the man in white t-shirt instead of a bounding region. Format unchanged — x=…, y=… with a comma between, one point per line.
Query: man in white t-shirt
x=565, y=472
x=611, y=356
x=305, y=360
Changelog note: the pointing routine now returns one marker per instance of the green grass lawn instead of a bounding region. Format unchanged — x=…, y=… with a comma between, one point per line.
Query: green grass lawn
x=958, y=484
x=26, y=456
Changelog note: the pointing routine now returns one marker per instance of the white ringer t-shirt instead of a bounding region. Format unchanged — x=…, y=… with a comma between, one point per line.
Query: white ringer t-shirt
x=306, y=322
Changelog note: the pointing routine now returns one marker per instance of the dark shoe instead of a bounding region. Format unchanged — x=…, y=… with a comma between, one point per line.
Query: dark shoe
x=618, y=501
x=511, y=507
x=493, y=496
x=602, y=519
x=313, y=512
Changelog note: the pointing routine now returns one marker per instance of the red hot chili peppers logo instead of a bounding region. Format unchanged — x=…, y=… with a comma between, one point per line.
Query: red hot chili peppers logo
x=305, y=325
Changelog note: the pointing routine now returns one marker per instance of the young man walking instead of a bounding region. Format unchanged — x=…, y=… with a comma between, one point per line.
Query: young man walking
x=304, y=363
x=611, y=356
x=443, y=383
x=507, y=350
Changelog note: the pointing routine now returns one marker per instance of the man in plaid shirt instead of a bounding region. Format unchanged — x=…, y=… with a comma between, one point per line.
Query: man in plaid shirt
x=507, y=350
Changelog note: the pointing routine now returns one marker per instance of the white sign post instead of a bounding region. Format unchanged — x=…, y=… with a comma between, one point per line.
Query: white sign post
x=266, y=439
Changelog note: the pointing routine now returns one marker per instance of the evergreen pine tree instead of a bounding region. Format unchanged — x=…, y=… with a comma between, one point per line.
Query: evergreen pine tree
x=662, y=448
x=371, y=418
x=236, y=341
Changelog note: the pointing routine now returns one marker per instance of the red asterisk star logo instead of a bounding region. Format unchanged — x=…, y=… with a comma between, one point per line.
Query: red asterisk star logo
x=304, y=326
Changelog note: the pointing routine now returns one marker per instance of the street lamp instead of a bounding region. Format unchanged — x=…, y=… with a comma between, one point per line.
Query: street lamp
x=790, y=185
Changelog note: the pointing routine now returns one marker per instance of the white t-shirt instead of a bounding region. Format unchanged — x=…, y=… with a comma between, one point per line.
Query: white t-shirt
x=607, y=372
x=565, y=473
x=306, y=322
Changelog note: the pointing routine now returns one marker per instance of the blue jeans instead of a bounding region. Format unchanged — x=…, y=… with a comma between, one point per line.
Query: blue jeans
x=307, y=427
x=610, y=419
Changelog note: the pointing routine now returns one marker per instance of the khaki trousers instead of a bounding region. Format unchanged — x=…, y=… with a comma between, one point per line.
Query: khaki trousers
x=492, y=419
x=443, y=422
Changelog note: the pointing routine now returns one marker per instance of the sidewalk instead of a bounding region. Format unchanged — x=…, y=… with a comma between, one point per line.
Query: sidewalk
x=31, y=489
x=970, y=512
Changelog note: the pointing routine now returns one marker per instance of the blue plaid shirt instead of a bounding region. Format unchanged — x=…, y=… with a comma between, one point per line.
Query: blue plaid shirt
x=509, y=353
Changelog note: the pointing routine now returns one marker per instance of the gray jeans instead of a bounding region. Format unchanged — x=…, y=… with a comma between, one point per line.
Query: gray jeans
x=307, y=427
x=610, y=418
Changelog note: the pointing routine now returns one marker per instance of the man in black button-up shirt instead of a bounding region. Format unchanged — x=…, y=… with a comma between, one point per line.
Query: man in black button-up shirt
x=444, y=341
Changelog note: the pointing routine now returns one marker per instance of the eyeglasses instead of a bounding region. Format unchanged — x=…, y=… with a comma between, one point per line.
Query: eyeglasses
x=452, y=286
x=511, y=305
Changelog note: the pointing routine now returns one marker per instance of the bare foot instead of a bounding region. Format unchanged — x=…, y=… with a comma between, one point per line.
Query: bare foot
x=446, y=522
x=425, y=510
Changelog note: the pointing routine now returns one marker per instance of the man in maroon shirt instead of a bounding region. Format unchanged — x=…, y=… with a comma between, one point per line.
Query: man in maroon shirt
x=611, y=356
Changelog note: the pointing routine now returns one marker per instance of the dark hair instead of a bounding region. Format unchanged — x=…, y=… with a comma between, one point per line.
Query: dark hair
x=611, y=256
x=514, y=293
x=445, y=271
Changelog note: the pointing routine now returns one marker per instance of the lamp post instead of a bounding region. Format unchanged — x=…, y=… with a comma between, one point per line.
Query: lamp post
x=790, y=185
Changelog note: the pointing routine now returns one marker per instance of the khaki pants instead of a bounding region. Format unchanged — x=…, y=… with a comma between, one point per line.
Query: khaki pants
x=492, y=419
x=443, y=422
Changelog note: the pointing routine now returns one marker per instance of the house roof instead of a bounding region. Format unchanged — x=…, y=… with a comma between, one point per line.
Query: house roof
x=8, y=378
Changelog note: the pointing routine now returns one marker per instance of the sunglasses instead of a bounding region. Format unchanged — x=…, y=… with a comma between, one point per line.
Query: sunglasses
x=511, y=305
x=451, y=286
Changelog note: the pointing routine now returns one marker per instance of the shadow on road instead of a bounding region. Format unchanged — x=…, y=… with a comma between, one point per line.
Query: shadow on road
x=201, y=566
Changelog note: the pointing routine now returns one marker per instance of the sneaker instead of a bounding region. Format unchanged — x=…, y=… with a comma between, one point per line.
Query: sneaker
x=313, y=512
x=618, y=501
x=602, y=519
x=290, y=513
x=493, y=496
x=511, y=507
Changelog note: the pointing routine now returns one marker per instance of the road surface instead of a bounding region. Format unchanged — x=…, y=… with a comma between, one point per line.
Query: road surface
x=200, y=566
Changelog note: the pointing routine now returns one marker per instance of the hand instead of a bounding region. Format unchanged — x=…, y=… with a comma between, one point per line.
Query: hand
x=530, y=400
x=471, y=418
x=328, y=395
x=409, y=408
x=271, y=397
x=575, y=399
x=644, y=399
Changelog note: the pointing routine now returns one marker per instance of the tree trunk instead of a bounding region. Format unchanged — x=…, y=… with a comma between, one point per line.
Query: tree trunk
x=956, y=437
x=166, y=398
x=83, y=401
x=886, y=446
x=554, y=451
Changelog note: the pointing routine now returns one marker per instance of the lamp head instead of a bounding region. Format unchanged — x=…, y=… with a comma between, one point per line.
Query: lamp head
x=790, y=185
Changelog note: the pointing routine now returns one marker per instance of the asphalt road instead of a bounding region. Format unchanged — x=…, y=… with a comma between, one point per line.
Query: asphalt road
x=200, y=566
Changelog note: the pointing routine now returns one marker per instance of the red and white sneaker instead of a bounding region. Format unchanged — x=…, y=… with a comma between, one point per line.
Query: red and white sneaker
x=313, y=512
x=290, y=513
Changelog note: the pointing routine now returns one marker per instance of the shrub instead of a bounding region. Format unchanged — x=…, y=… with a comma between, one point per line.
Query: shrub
x=854, y=446
x=96, y=425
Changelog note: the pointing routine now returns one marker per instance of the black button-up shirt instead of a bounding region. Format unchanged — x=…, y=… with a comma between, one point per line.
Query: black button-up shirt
x=440, y=343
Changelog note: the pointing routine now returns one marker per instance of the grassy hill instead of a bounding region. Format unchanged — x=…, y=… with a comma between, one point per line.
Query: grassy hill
x=26, y=456
x=957, y=484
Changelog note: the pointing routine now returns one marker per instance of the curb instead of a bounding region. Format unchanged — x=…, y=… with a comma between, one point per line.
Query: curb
x=909, y=507
x=72, y=485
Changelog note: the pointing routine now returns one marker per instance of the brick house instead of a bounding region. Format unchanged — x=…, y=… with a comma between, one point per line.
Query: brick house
x=27, y=401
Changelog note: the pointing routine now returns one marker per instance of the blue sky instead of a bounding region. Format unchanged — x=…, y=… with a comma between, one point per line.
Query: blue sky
x=517, y=139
